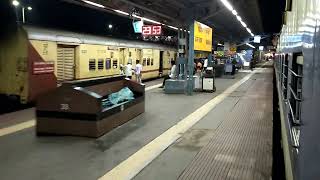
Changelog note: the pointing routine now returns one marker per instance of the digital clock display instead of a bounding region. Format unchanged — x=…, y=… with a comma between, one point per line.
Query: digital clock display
x=151, y=30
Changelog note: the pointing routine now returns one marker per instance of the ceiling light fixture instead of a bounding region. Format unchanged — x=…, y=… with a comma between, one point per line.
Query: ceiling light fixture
x=243, y=24
x=234, y=12
x=15, y=3
x=239, y=18
x=172, y=27
x=227, y=4
x=250, y=45
x=94, y=4
x=121, y=12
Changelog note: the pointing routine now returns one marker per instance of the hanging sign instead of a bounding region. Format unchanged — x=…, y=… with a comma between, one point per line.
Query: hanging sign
x=257, y=39
x=137, y=26
x=202, y=37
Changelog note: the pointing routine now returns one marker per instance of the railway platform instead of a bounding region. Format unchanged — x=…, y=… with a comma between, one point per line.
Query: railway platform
x=221, y=135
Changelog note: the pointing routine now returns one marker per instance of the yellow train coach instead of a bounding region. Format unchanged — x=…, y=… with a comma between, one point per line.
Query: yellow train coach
x=34, y=60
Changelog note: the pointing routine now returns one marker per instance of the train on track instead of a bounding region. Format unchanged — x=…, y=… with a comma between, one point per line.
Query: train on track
x=35, y=60
x=297, y=70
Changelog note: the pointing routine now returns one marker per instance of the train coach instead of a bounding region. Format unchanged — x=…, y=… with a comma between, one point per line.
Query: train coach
x=35, y=60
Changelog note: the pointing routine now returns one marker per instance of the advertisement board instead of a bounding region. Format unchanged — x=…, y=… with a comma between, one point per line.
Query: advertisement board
x=202, y=37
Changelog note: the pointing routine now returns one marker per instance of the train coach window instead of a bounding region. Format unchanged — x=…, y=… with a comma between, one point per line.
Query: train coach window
x=108, y=63
x=111, y=54
x=100, y=64
x=148, y=62
x=151, y=61
x=92, y=64
x=115, y=64
x=130, y=54
x=144, y=62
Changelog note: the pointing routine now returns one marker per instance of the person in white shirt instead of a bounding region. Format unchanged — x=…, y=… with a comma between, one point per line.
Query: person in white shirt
x=137, y=71
x=172, y=73
x=128, y=70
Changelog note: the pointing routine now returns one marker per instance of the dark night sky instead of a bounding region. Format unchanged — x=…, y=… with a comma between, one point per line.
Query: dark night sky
x=60, y=15
x=271, y=12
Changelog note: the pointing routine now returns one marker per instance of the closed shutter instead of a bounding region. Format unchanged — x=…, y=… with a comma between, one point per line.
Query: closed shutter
x=65, y=64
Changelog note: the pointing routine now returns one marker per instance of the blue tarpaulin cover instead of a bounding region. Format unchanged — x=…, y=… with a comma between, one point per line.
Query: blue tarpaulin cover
x=125, y=94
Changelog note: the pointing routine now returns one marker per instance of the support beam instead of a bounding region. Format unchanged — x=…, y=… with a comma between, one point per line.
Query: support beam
x=147, y=9
x=213, y=14
x=190, y=59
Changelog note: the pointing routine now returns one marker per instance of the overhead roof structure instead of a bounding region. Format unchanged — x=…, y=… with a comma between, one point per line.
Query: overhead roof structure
x=179, y=13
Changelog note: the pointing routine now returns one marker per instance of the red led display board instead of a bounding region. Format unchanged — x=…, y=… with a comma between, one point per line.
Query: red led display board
x=150, y=30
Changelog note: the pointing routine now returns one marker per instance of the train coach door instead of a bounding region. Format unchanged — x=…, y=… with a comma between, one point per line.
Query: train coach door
x=161, y=63
x=122, y=56
x=139, y=55
x=65, y=63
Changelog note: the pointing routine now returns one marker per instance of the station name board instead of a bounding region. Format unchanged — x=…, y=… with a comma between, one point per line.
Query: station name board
x=202, y=37
x=150, y=30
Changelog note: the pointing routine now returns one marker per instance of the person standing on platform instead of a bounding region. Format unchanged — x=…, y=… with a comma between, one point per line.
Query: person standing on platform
x=121, y=69
x=128, y=70
x=251, y=65
x=172, y=73
x=138, y=70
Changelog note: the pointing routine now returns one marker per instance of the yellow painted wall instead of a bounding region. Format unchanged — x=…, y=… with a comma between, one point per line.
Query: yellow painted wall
x=13, y=64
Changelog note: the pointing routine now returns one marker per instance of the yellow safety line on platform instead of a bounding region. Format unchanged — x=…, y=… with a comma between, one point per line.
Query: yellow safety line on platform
x=17, y=127
x=153, y=87
x=130, y=167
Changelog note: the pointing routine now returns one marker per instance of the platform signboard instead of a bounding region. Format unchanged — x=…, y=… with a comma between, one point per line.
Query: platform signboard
x=40, y=67
x=202, y=37
x=137, y=26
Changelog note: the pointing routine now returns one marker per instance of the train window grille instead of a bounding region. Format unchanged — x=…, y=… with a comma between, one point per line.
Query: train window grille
x=144, y=62
x=295, y=99
x=284, y=77
x=148, y=62
x=92, y=64
x=115, y=64
x=100, y=64
x=279, y=67
x=108, y=63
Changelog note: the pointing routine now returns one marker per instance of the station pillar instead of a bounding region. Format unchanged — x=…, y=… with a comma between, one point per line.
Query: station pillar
x=190, y=60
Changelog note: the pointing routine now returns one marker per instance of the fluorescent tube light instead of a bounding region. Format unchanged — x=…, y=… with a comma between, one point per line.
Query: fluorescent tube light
x=239, y=18
x=250, y=45
x=234, y=12
x=121, y=12
x=94, y=4
x=243, y=24
x=227, y=4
